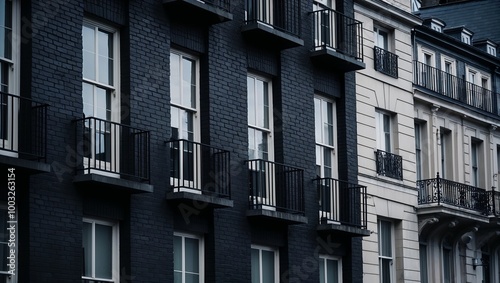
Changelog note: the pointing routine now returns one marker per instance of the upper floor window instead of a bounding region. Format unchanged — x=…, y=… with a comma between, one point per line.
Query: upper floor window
x=475, y=149
x=446, y=153
x=188, y=259
x=8, y=48
x=384, y=131
x=100, y=251
x=436, y=27
x=100, y=93
x=418, y=150
x=386, y=251
x=447, y=261
x=491, y=50
x=423, y=263
x=260, y=118
x=325, y=128
x=265, y=264
x=330, y=269
x=465, y=38
x=385, y=61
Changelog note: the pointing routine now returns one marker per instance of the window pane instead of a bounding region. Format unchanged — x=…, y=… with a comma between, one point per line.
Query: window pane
x=4, y=77
x=88, y=100
x=261, y=140
x=385, y=270
x=267, y=266
x=188, y=83
x=177, y=277
x=251, y=101
x=103, y=251
x=385, y=238
x=87, y=249
x=328, y=123
x=89, y=52
x=318, y=116
x=322, y=270
x=192, y=256
x=105, y=58
x=102, y=104
x=192, y=278
x=5, y=29
x=177, y=253
x=423, y=263
x=255, y=266
x=175, y=87
x=332, y=270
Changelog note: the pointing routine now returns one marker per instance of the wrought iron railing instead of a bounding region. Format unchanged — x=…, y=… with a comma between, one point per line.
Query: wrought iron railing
x=386, y=62
x=494, y=203
x=112, y=148
x=221, y=4
x=23, y=127
x=339, y=32
x=282, y=15
x=275, y=186
x=199, y=168
x=342, y=202
x=454, y=87
x=442, y=191
x=389, y=164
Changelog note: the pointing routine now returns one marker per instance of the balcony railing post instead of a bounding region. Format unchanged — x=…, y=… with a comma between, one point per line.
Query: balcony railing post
x=438, y=185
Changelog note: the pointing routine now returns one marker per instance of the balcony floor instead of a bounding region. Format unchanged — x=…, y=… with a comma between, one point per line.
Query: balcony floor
x=289, y=218
x=29, y=166
x=200, y=200
x=112, y=182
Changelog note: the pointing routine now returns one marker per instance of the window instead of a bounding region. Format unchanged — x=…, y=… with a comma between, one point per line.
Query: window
x=383, y=120
x=265, y=265
x=465, y=38
x=324, y=21
x=184, y=119
x=101, y=94
x=436, y=27
x=9, y=74
x=474, y=156
x=423, y=264
x=446, y=153
x=491, y=50
x=415, y=5
x=325, y=128
x=100, y=251
x=386, y=259
x=449, y=81
x=260, y=118
x=188, y=259
x=385, y=61
x=418, y=150
x=330, y=269
x=447, y=261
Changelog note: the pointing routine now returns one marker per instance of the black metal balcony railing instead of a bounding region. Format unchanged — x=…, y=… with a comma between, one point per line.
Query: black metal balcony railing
x=494, y=203
x=113, y=148
x=337, y=31
x=386, y=62
x=282, y=15
x=454, y=87
x=199, y=168
x=442, y=191
x=342, y=202
x=389, y=164
x=221, y=4
x=23, y=126
x=275, y=186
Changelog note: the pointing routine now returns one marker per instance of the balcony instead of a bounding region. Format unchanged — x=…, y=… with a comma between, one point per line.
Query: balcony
x=204, y=12
x=342, y=207
x=445, y=197
x=276, y=191
x=454, y=88
x=112, y=155
x=23, y=134
x=389, y=164
x=273, y=23
x=385, y=62
x=199, y=174
x=338, y=41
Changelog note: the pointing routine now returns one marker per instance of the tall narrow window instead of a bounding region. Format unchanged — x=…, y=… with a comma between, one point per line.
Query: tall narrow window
x=184, y=119
x=418, y=150
x=100, y=251
x=383, y=128
x=381, y=38
x=424, y=277
x=447, y=262
x=325, y=25
x=100, y=94
x=260, y=118
x=9, y=74
x=325, y=119
x=474, y=152
x=188, y=259
x=385, y=248
x=446, y=154
x=330, y=269
x=265, y=265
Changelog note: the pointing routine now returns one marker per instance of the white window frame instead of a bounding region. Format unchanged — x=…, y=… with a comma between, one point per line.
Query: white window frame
x=320, y=143
x=392, y=257
x=115, y=97
x=382, y=132
x=377, y=35
x=492, y=50
x=14, y=81
x=187, y=185
x=323, y=260
x=201, y=254
x=276, y=261
x=115, y=250
x=436, y=27
x=465, y=38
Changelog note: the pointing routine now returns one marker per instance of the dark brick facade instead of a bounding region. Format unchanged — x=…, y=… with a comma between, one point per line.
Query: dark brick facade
x=53, y=205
